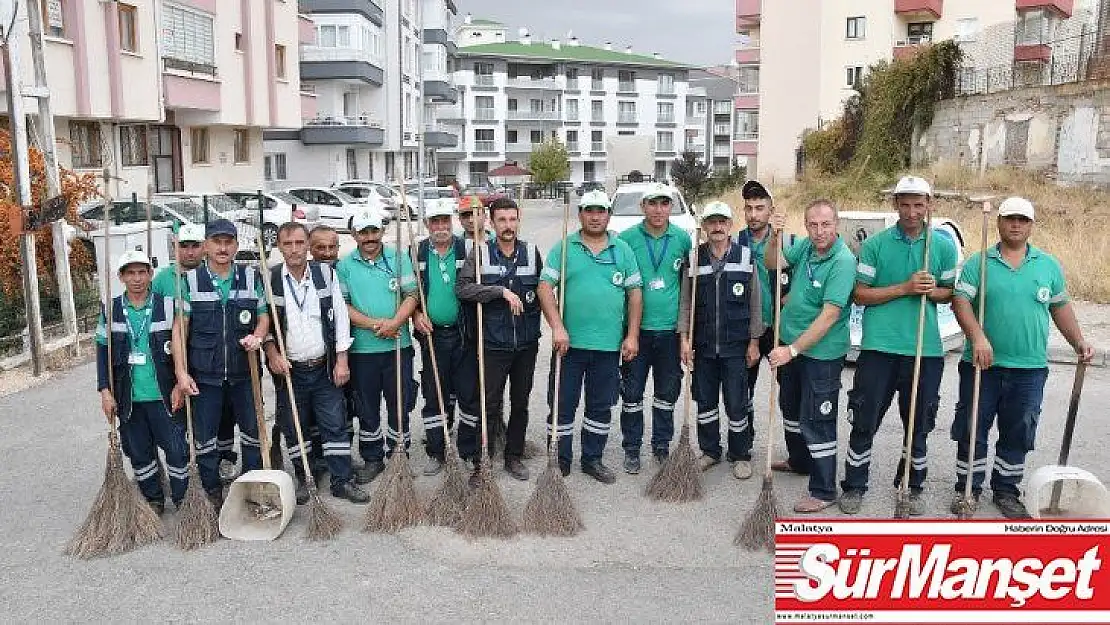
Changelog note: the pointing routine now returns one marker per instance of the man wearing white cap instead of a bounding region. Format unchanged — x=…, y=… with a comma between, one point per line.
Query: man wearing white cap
x=728, y=321
x=370, y=278
x=143, y=392
x=510, y=272
x=890, y=281
x=1025, y=287
x=439, y=259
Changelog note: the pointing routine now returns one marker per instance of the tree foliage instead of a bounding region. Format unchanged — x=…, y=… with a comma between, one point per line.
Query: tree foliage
x=690, y=175
x=549, y=162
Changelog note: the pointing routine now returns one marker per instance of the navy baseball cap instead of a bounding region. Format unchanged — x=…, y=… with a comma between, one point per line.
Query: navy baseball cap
x=220, y=226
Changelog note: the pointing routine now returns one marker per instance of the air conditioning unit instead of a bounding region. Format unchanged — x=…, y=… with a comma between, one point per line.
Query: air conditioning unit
x=901, y=43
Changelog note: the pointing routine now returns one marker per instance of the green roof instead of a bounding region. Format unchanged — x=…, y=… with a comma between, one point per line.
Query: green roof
x=543, y=50
x=474, y=22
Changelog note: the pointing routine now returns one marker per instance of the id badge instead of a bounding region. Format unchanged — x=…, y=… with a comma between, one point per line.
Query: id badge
x=657, y=284
x=136, y=358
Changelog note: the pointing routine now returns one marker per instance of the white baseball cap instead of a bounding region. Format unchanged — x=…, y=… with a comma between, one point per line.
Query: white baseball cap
x=132, y=257
x=716, y=209
x=1016, y=207
x=190, y=232
x=657, y=190
x=366, y=219
x=439, y=209
x=912, y=185
x=595, y=198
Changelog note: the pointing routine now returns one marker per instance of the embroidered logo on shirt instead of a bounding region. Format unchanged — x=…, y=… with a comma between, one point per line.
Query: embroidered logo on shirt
x=826, y=407
x=618, y=278
x=331, y=314
x=677, y=264
x=784, y=279
x=167, y=348
x=1042, y=294
x=530, y=296
x=393, y=284
x=738, y=289
x=245, y=317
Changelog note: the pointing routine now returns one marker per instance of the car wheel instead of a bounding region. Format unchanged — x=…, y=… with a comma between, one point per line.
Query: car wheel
x=270, y=235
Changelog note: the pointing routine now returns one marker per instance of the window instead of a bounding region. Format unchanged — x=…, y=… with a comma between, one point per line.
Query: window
x=512, y=104
x=597, y=79
x=919, y=32
x=665, y=140
x=511, y=136
x=535, y=105
x=483, y=140
x=626, y=80
x=280, y=171
x=279, y=60
x=267, y=167
x=199, y=139
x=572, y=110
x=596, y=139
x=967, y=29
x=597, y=112
x=132, y=144
x=856, y=28
x=666, y=83
x=572, y=136
x=853, y=77
x=242, y=145
x=128, y=28
x=85, y=140
x=589, y=173
x=626, y=133
x=747, y=125
x=54, y=23
x=352, y=164
x=535, y=136
x=187, y=36
x=665, y=112
x=331, y=36
x=572, y=78
x=238, y=42
x=626, y=112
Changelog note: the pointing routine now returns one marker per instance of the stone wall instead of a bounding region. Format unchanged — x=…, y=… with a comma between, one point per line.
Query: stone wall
x=1062, y=130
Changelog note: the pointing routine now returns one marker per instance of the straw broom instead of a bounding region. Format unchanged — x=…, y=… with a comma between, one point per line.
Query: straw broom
x=679, y=478
x=550, y=511
x=902, y=502
x=758, y=530
x=446, y=505
x=486, y=513
x=966, y=508
x=199, y=523
x=119, y=519
x=323, y=522
x=395, y=505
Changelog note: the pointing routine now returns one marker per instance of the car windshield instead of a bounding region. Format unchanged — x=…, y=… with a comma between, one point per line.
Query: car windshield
x=287, y=198
x=628, y=204
x=344, y=197
x=356, y=192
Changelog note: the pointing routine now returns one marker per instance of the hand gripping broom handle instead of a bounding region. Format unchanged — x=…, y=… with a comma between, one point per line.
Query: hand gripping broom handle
x=972, y=436
x=553, y=435
x=908, y=446
x=774, y=371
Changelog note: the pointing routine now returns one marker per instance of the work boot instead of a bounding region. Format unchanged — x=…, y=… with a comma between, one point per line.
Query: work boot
x=811, y=504
x=742, y=469
x=958, y=503
x=851, y=501
x=351, y=492
x=917, y=503
x=631, y=463
x=662, y=454
x=159, y=507
x=599, y=472
x=302, y=492
x=433, y=466
x=516, y=468
x=1010, y=506
x=369, y=471
x=706, y=462
x=217, y=499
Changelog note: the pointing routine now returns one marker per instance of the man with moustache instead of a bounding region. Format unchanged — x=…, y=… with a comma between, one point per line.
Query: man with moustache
x=814, y=333
x=510, y=273
x=370, y=278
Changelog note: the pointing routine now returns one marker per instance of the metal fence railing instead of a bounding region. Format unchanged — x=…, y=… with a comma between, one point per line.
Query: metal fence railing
x=1059, y=62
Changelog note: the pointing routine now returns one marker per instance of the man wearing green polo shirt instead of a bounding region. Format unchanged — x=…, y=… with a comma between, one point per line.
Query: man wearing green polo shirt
x=190, y=249
x=143, y=391
x=599, y=329
x=890, y=282
x=370, y=278
x=814, y=330
x=1025, y=287
x=660, y=248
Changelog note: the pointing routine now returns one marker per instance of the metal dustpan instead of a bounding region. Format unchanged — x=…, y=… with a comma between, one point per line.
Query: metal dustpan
x=259, y=504
x=1061, y=491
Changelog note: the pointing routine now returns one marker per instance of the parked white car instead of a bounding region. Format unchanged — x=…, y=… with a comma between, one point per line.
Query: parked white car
x=279, y=208
x=222, y=206
x=627, y=212
x=334, y=207
x=444, y=197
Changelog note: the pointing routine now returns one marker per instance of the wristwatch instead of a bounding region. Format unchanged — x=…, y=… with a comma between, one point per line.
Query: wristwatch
x=793, y=351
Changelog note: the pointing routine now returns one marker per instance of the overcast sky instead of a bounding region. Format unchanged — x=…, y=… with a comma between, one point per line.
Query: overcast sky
x=699, y=32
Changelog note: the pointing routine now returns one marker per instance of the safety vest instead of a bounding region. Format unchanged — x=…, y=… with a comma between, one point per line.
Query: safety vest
x=161, y=348
x=323, y=276
x=504, y=330
x=215, y=328
x=722, y=312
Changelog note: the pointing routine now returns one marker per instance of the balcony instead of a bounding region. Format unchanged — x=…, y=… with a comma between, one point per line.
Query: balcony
x=1033, y=52
x=626, y=86
x=665, y=119
x=925, y=10
x=597, y=85
x=721, y=130
x=572, y=117
x=597, y=147
x=484, y=82
x=722, y=151
x=572, y=84
x=694, y=119
x=452, y=113
x=747, y=101
x=521, y=148
x=1062, y=8
x=665, y=149
x=745, y=143
x=530, y=115
x=204, y=70
x=628, y=119
x=365, y=8
x=190, y=85
x=747, y=56
x=722, y=107
x=909, y=47
x=440, y=90
x=524, y=82
x=439, y=136
x=695, y=147
x=485, y=114
x=665, y=89
x=437, y=36
x=747, y=13
x=320, y=63
x=485, y=146
x=333, y=130
x=572, y=147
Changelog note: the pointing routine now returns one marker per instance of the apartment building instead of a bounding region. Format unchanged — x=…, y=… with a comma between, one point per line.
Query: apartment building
x=361, y=91
x=797, y=69
x=515, y=94
x=710, y=118
x=174, y=94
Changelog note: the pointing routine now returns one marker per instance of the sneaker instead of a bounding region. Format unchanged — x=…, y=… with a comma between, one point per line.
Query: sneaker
x=351, y=493
x=369, y=471
x=851, y=501
x=631, y=463
x=742, y=469
x=1011, y=507
x=516, y=468
x=661, y=455
x=958, y=503
x=706, y=462
x=917, y=504
x=302, y=492
x=599, y=472
x=228, y=471
x=433, y=466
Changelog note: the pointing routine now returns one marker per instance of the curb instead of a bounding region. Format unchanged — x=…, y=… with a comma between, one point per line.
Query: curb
x=1066, y=355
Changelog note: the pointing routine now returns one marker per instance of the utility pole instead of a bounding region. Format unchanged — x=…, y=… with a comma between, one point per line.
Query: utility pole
x=420, y=127
x=21, y=167
x=47, y=145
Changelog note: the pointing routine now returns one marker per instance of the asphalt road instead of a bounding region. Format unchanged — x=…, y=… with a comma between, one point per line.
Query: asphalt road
x=637, y=561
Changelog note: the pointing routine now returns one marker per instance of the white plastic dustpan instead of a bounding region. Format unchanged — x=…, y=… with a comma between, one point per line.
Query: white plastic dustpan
x=259, y=505
x=1080, y=494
